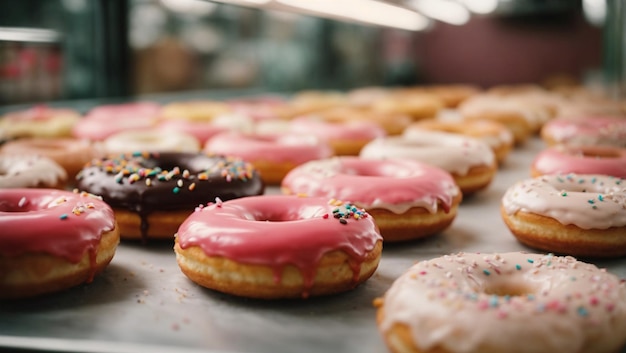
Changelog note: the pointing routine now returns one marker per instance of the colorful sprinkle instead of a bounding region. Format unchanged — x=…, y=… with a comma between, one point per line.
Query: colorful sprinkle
x=63, y=216
x=518, y=267
x=486, y=272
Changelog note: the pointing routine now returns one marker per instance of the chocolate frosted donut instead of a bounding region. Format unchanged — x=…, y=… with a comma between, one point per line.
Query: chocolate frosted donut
x=152, y=193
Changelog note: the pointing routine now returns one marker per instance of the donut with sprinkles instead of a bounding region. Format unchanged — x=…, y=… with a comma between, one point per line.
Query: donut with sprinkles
x=511, y=302
x=572, y=214
x=152, y=193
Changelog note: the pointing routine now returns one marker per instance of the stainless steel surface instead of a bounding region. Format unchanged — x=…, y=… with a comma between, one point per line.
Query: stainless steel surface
x=143, y=303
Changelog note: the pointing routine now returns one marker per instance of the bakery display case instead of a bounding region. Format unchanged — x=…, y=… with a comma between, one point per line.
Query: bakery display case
x=134, y=65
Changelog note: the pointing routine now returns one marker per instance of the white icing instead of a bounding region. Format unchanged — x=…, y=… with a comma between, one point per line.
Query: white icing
x=587, y=201
x=151, y=141
x=451, y=152
x=30, y=171
x=459, y=303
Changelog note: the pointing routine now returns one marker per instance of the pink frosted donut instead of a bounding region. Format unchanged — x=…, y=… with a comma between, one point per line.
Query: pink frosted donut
x=407, y=198
x=246, y=247
x=346, y=137
x=600, y=130
x=511, y=302
x=52, y=240
x=272, y=155
x=104, y=121
x=563, y=159
x=260, y=108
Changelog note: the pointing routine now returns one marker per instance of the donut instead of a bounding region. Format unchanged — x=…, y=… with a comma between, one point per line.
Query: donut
x=598, y=130
x=576, y=214
x=39, y=121
x=409, y=200
x=494, y=134
x=521, y=117
x=52, y=240
x=414, y=103
x=346, y=137
x=71, y=154
x=511, y=302
x=273, y=156
x=392, y=123
x=259, y=108
x=30, y=171
x=152, y=140
x=152, y=193
x=363, y=97
x=453, y=94
x=563, y=159
x=200, y=110
x=310, y=101
x=245, y=247
x=106, y=120
x=200, y=130
x=471, y=162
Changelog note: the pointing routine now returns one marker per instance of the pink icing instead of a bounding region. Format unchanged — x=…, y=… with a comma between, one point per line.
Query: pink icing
x=582, y=160
x=347, y=130
x=599, y=130
x=201, y=130
x=39, y=113
x=278, y=148
x=104, y=121
x=259, y=108
x=394, y=184
x=60, y=223
x=278, y=230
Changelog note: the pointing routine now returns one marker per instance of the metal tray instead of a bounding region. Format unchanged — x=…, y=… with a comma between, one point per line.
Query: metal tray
x=143, y=303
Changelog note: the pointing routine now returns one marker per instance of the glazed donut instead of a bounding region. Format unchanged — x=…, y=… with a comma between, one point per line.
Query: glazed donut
x=470, y=161
x=599, y=130
x=39, y=121
x=30, y=171
x=106, y=120
x=408, y=199
x=195, y=110
x=512, y=302
x=346, y=137
x=152, y=193
x=153, y=140
x=52, y=240
x=273, y=156
x=71, y=154
x=563, y=159
x=245, y=247
x=414, y=103
x=307, y=102
x=392, y=123
x=577, y=214
x=363, y=97
x=494, y=134
x=452, y=94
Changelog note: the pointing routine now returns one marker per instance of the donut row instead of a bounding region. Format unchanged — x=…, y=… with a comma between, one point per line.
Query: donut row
x=232, y=237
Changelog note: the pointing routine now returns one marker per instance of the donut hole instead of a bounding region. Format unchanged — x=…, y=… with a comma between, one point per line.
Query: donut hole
x=509, y=289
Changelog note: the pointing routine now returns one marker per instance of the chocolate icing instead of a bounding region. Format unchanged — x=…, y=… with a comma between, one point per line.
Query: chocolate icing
x=148, y=182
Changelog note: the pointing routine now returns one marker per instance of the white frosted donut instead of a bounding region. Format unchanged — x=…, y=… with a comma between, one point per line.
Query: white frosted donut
x=30, y=171
x=470, y=161
x=511, y=302
x=150, y=141
x=582, y=215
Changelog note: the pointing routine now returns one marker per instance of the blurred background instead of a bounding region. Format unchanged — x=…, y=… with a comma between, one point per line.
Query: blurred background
x=75, y=49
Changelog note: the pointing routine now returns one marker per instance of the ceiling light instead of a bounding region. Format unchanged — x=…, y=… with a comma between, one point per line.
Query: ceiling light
x=365, y=11
x=443, y=10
